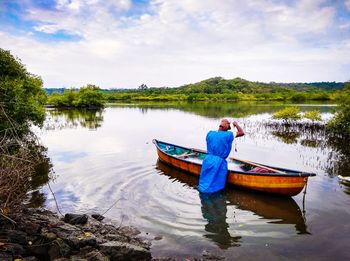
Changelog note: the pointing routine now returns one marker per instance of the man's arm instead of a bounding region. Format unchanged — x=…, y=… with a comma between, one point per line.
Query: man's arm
x=240, y=131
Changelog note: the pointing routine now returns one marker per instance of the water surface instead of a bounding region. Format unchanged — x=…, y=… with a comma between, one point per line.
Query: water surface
x=104, y=157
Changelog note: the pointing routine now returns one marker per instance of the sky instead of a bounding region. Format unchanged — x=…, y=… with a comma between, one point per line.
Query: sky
x=126, y=43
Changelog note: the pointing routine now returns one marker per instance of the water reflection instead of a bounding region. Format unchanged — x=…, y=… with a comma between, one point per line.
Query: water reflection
x=117, y=161
x=315, y=136
x=278, y=210
x=41, y=176
x=275, y=210
x=214, y=210
x=288, y=137
x=217, y=110
x=72, y=118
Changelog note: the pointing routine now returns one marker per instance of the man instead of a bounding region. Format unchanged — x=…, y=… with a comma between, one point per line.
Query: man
x=214, y=168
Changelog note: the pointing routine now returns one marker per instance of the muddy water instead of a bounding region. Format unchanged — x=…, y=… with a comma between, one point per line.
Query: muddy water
x=106, y=158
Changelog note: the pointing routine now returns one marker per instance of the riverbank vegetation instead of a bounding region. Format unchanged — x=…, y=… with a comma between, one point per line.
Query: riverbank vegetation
x=86, y=97
x=340, y=124
x=216, y=89
x=290, y=114
x=22, y=158
x=220, y=89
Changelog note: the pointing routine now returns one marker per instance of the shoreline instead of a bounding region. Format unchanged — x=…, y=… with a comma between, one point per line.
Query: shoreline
x=39, y=234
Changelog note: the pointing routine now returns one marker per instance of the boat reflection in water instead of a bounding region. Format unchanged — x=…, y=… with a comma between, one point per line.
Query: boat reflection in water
x=274, y=209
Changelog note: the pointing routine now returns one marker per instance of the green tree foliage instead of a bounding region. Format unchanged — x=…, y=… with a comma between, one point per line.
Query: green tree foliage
x=21, y=94
x=287, y=114
x=340, y=123
x=220, y=89
x=313, y=115
x=89, y=96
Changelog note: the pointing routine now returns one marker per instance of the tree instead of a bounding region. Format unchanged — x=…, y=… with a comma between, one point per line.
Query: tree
x=90, y=96
x=22, y=97
x=22, y=100
x=340, y=123
x=142, y=87
x=287, y=114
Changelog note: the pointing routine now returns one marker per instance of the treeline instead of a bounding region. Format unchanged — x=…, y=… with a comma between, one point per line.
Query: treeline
x=219, y=89
x=276, y=96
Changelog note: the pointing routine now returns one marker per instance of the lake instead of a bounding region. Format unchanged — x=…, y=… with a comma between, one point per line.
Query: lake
x=105, y=162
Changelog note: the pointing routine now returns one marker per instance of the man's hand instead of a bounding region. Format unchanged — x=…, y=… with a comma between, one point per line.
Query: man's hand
x=240, y=131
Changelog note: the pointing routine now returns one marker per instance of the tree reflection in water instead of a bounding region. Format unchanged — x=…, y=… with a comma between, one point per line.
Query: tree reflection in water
x=73, y=118
x=42, y=175
x=316, y=136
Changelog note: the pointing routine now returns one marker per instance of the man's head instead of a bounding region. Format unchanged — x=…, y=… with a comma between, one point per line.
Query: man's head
x=224, y=125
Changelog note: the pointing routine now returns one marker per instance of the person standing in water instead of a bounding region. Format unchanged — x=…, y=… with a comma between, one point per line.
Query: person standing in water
x=214, y=169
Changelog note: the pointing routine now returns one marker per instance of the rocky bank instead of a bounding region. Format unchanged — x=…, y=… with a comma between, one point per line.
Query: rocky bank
x=39, y=234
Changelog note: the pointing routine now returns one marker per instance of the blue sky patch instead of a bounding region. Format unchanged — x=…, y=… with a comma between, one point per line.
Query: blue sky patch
x=60, y=35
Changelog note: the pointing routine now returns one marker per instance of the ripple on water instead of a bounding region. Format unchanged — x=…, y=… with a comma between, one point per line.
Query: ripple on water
x=159, y=201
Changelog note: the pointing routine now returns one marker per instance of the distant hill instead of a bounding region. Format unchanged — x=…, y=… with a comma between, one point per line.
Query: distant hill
x=220, y=85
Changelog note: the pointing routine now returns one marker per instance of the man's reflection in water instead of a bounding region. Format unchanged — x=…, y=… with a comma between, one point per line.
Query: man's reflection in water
x=214, y=209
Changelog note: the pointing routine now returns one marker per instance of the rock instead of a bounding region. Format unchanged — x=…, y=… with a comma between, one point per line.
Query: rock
x=15, y=236
x=15, y=249
x=59, y=249
x=39, y=248
x=89, y=241
x=75, y=219
x=81, y=240
x=50, y=236
x=125, y=251
x=96, y=256
x=129, y=231
x=29, y=258
x=158, y=238
x=4, y=256
x=32, y=228
x=210, y=256
x=98, y=217
x=41, y=235
x=113, y=237
x=165, y=259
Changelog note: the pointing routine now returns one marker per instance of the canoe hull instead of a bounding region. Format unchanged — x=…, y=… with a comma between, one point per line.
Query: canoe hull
x=282, y=184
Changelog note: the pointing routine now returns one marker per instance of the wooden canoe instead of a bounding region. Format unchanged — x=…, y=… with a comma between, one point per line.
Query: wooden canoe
x=241, y=173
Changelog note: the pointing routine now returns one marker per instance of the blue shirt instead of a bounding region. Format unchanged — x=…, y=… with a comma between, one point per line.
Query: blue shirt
x=214, y=169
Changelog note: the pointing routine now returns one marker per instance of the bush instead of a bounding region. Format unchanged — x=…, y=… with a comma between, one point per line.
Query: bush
x=298, y=97
x=89, y=96
x=313, y=115
x=340, y=123
x=287, y=114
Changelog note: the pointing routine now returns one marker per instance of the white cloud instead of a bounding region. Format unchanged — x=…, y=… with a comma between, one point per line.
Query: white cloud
x=184, y=41
x=347, y=4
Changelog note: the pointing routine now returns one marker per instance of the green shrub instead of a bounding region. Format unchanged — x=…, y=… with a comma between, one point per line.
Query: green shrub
x=313, y=115
x=340, y=123
x=298, y=97
x=287, y=114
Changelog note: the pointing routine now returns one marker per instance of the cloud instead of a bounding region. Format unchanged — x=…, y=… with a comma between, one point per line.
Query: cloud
x=169, y=43
x=347, y=4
